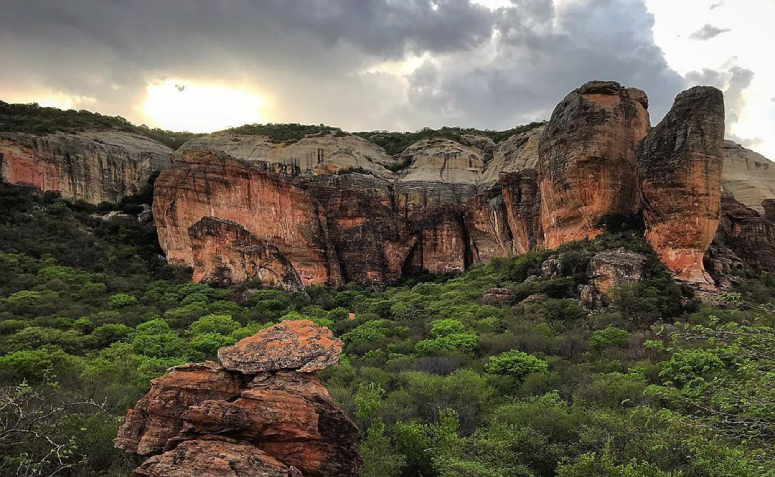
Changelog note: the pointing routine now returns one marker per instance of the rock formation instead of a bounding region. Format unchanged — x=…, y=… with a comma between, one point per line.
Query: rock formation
x=679, y=164
x=226, y=253
x=262, y=411
x=586, y=160
x=202, y=184
x=94, y=166
x=523, y=209
x=744, y=239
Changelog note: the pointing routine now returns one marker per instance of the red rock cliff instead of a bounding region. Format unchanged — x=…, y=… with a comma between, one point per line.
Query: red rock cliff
x=202, y=184
x=679, y=164
x=586, y=159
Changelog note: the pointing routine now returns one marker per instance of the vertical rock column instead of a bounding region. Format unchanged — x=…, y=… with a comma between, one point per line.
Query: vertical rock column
x=586, y=159
x=679, y=165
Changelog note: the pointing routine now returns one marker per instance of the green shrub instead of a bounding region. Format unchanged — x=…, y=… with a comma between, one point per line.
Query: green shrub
x=122, y=300
x=515, y=364
x=608, y=337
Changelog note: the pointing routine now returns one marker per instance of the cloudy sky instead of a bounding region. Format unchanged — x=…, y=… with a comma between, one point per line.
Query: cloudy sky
x=204, y=65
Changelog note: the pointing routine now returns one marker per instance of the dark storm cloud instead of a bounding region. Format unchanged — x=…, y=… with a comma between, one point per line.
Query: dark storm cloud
x=487, y=68
x=707, y=32
x=542, y=56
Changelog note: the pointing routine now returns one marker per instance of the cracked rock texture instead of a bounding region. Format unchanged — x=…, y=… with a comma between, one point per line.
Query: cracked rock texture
x=262, y=411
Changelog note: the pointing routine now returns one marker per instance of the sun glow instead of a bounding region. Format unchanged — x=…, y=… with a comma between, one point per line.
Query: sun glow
x=185, y=106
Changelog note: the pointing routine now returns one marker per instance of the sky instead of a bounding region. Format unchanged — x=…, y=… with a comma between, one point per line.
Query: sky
x=205, y=65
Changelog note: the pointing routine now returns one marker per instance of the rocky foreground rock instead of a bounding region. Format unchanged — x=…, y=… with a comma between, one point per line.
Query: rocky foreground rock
x=261, y=411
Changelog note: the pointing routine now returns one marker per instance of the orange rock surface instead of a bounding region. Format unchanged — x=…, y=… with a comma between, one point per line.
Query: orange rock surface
x=226, y=253
x=298, y=344
x=679, y=164
x=202, y=184
x=586, y=160
x=269, y=415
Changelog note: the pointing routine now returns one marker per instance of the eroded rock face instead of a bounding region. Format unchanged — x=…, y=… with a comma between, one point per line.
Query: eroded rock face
x=523, y=208
x=586, y=160
x=311, y=155
x=514, y=154
x=300, y=345
x=268, y=414
x=224, y=252
x=748, y=176
x=96, y=166
x=679, y=164
x=743, y=238
x=202, y=184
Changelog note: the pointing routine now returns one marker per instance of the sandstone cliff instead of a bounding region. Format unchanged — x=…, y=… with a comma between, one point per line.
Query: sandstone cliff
x=679, y=164
x=201, y=184
x=95, y=166
x=586, y=160
x=748, y=176
x=262, y=411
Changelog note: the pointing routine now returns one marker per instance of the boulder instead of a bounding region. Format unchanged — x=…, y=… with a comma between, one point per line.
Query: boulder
x=498, y=297
x=679, y=165
x=155, y=418
x=586, y=160
x=268, y=414
x=614, y=268
x=215, y=457
x=298, y=344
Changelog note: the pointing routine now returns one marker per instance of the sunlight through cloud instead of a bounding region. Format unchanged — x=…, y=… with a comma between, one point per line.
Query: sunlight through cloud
x=184, y=106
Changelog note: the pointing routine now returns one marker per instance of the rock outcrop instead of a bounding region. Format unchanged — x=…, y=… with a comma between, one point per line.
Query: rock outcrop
x=614, y=268
x=679, y=164
x=586, y=160
x=523, y=209
x=744, y=239
x=262, y=411
x=201, y=184
x=748, y=176
x=93, y=166
x=224, y=252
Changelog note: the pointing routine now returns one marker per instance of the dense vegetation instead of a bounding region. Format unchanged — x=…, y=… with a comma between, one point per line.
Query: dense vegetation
x=441, y=384
x=35, y=119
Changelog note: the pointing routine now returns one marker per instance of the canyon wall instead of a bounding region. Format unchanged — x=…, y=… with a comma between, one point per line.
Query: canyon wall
x=94, y=166
x=333, y=208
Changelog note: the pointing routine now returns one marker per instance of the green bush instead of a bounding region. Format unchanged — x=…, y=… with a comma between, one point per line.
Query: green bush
x=122, y=300
x=608, y=337
x=515, y=364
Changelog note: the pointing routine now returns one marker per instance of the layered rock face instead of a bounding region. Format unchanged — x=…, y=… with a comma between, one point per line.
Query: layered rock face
x=680, y=163
x=586, y=160
x=97, y=166
x=262, y=411
x=329, y=208
x=201, y=184
x=748, y=176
